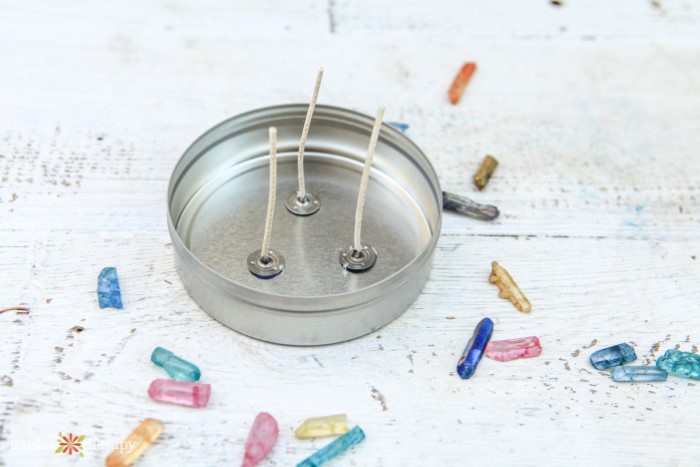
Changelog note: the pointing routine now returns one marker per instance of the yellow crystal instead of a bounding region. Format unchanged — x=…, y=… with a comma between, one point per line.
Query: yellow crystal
x=331, y=425
x=132, y=447
x=508, y=289
x=482, y=176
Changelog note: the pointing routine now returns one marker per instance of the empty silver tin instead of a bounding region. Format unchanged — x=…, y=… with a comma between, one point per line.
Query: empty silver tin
x=217, y=200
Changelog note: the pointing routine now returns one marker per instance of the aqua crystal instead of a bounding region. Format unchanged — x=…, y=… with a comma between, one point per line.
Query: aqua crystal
x=108, y=291
x=679, y=363
x=178, y=368
x=613, y=356
x=637, y=374
x=336, y=448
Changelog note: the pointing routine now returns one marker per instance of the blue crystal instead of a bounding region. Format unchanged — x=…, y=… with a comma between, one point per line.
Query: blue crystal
x=177, y=368
x=680, y=363
x=475, y=349
x=402, y=127
x=612, y=356
x=108, y=292
x=637, y=374
x=336, y=448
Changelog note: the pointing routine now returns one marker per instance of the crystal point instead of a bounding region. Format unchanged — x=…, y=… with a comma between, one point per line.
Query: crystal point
x=613, y=356
x=679, y=363
x=126, y=452
x=637, y=374
x=336, y=448
x=512, y=349
x=475, y=349
x=330, y=425
x=468, y=207
x=261, y=439
x=402, y=127
x=180, y=392
x=483, y=174
x=178, y=368
x=460, y=82
x=108, y=291
x=508, y=289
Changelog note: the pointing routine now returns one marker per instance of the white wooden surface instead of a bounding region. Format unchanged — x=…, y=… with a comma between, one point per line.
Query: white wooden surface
x=593, y=109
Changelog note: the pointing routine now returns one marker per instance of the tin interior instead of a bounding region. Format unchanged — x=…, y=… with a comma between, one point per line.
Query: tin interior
x=219, y=190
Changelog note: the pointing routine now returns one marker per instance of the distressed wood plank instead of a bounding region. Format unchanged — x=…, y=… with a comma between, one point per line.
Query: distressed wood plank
x=591, y=109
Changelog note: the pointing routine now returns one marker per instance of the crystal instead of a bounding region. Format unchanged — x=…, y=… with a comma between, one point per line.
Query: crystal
x=180, y=392
x=460, y=82
x=679, y=363
x=108, y=292
x=177, y=368
x=513, y=349
x=337, y=447
x=402, y=127
x=261, y=439
x=468, y=207
x=126, y=452
x=482, y=176
x=612, y=356
x=508, y=289
x=330, y=425
x=475, y=348
x=637, y=374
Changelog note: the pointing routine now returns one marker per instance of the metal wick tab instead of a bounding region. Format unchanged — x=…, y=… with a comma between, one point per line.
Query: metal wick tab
x=355, y=260
x=265, y=267
x=302, y=206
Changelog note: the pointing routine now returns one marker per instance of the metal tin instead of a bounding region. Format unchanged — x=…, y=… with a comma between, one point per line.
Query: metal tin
x=217, y=200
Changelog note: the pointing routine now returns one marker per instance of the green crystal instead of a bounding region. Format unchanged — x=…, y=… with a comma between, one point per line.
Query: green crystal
x=679, y=363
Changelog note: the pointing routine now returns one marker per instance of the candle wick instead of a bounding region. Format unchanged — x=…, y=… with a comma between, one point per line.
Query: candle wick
x=265, y=251
x=357, y=245
x=304, y=135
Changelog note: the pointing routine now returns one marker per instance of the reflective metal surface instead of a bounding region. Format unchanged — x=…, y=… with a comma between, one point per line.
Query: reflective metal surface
x=217, y=201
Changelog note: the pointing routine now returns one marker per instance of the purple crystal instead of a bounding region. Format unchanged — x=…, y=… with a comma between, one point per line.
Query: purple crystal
x=468, y=207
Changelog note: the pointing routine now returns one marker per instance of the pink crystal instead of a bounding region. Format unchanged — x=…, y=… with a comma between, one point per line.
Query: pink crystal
x=262, y=437
x=180, y=392
x=512, y=349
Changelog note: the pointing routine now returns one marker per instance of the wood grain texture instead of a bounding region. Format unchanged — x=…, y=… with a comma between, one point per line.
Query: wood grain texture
x=592, y=109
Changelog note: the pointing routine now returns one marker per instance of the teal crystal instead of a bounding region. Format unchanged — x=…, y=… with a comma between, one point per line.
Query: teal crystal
x=638, y=374
x=336, y=448
x=613, y=356
x=177, y=368
x=679, y=363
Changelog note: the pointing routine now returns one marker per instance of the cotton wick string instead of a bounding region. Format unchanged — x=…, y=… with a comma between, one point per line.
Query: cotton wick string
x=365, y=178
x=264, y=252
x=305, y=134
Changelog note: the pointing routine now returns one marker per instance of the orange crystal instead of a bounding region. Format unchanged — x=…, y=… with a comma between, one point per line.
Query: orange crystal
x=126, y=452
x=461, y=81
